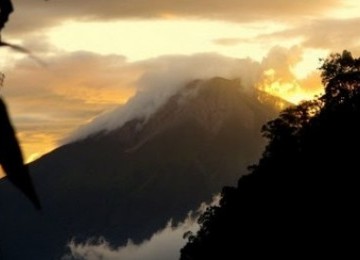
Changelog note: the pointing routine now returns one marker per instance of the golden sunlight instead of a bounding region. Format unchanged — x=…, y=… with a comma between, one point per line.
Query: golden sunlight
x=34, y=144
x=32, y=157
x=292, y=91
x=310, y=62
x=300, y=81
x=349, y=9
x=140, y=39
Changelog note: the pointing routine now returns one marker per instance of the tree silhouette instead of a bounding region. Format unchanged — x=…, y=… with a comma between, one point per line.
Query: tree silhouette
x=301, y=197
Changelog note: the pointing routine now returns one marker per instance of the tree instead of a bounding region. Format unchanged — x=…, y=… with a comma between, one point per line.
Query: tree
x=301, y=197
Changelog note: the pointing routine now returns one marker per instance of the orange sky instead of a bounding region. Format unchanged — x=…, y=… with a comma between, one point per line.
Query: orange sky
x=97, y=56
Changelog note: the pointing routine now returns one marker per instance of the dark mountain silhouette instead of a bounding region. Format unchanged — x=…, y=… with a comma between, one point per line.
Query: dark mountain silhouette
x=129, y=182
x=11, y=159
x=300, y=199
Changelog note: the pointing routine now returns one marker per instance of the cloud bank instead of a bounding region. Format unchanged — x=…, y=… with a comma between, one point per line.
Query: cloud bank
x=333, y=34
x=164, y=244
x=75, y=88
x=48, y=103
x=163, y=77
x=321, y=25
x=34, y=14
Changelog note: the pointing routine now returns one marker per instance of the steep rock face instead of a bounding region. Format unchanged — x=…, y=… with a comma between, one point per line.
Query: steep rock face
x=129, y=182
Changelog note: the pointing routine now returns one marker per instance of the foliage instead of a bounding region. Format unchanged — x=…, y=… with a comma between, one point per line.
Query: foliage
x=301, y=197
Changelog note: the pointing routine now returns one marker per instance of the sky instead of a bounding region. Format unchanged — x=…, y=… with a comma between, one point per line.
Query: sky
x=97, y=55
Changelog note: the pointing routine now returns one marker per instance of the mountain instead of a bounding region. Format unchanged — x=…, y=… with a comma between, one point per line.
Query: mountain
x=129, y=182
x=300, y=199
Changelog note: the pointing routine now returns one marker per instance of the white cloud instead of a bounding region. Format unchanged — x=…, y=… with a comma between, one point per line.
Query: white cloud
x=162, y=78
x=163, y=245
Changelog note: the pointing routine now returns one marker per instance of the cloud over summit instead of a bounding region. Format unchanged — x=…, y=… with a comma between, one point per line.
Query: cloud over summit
x=163, y=77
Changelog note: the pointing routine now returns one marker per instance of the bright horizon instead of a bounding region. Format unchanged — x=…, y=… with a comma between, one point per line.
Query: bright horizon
x=97, y=55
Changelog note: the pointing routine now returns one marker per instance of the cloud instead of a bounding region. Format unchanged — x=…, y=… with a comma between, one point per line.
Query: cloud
x=332, y=34
x=163, y=77
x=72, y=89
x=33, y=15
x=75, y=88
x=281, y=60
x=228, y=41
x=279, y=77
x=164, y=244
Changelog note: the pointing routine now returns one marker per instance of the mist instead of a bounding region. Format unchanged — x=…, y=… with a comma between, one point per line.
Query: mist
x=163, y=245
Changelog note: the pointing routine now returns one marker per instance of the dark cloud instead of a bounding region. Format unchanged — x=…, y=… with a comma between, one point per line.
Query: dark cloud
x=33, y=15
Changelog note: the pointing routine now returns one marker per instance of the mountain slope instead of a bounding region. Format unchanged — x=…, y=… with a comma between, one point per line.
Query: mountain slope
x=300, y=199
x=127, y=183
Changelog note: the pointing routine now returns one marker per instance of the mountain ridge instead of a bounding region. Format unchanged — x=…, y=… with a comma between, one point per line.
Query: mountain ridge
x=129, y=182
x=130, y=129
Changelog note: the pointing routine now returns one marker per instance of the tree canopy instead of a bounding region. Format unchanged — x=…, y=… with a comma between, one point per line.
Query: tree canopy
x=300, y=198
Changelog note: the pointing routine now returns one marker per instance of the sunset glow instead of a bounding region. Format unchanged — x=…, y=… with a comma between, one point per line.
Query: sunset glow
x=291, y=91
x=140, y=40
x=98, y=57
x=144, y=129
